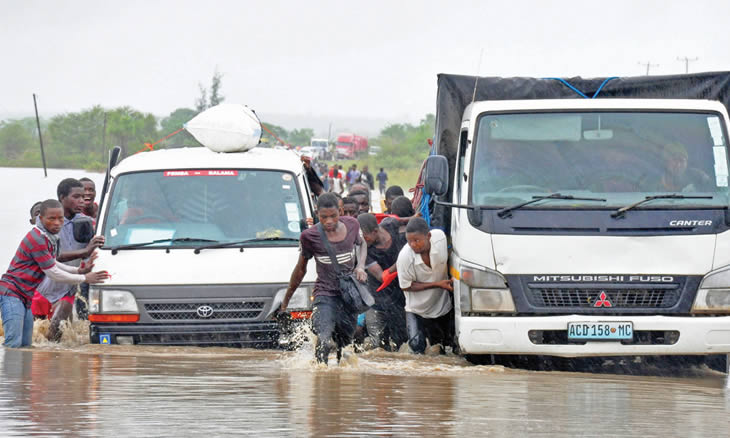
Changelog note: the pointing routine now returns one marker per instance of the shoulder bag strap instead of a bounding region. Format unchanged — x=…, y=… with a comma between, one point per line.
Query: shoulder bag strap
x=328, y=247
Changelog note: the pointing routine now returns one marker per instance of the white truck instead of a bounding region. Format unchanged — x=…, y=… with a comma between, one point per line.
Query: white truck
x=200, y=246
x=585, y=227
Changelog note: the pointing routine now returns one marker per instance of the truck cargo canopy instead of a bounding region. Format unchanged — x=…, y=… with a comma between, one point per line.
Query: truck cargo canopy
x=455, y=93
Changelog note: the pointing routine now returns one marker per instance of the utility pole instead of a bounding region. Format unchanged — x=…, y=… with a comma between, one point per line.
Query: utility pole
x=686, y=62
x=648, y=64
x=103, y=141
x=40, y=137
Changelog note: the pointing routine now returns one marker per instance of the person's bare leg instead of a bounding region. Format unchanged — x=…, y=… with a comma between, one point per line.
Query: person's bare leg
x=62, y=310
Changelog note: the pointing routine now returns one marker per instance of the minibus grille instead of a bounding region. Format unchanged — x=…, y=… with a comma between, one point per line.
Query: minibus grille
x=205, y=311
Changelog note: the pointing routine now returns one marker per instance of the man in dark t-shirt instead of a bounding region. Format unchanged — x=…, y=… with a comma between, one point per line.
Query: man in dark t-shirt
x=386, y=320
x=332, y=320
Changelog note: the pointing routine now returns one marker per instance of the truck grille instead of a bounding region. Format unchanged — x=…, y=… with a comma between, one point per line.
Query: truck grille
x=619, y=298
x=232, y=310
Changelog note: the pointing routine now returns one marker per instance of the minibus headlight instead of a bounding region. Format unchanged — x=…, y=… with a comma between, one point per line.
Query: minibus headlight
x=118, y=301
x=300, y=300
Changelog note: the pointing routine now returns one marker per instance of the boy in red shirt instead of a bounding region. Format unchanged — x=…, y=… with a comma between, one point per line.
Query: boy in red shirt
x=34, y=259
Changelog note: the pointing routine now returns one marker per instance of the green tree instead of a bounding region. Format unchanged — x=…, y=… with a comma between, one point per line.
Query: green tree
x=215, y=89
x=201, y=104
x=277, y=130
x=175, y=121
x=14, y=140
x=301, y=137
x=131, y=129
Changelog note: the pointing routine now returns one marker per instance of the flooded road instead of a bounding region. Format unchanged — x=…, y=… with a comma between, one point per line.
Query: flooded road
x=144, y=391
x=77, y=389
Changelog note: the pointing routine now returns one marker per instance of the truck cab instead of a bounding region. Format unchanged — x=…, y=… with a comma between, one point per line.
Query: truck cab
x=589, y=227
x=200, y=246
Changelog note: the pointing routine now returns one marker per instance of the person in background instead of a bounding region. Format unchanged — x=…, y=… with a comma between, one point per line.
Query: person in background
x=336, y=185
x=91, y=208
x=402, y=207
x=423, y=277
x=33, y=261
x=332, y=320
x=386, y=320
x=367, y=178
x=382, y=178
x=390, y=194
x=35, y=210
x=350, y=207
x=361, y=193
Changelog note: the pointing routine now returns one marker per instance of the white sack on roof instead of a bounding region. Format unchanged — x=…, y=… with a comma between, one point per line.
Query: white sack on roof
x=227, y=127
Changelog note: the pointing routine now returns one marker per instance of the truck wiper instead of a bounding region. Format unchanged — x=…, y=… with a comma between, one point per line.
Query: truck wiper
x=507, y=211
x=116, y=249
x=243, y=242
x=620, y=212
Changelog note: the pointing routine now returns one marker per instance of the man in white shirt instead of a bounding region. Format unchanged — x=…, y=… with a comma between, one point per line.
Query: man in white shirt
x=423, y=277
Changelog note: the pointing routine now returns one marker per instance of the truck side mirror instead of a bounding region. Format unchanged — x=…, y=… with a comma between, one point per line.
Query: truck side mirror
x=436, y=175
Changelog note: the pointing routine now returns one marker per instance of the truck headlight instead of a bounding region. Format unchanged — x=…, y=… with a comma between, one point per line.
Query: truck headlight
x=487, y=290
x=713, y=295
x=112, y=301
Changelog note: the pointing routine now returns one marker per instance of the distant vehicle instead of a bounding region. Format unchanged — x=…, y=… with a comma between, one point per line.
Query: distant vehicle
x=350, y=145
x=374, y=150
x=312, y=152
x=322, y=145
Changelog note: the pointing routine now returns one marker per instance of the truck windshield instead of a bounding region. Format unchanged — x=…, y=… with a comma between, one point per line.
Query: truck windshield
x=344, y=143
x=203, y=206
x=620, y=156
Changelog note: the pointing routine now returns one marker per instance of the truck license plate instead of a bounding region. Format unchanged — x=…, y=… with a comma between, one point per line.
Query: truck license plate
x=600, y=330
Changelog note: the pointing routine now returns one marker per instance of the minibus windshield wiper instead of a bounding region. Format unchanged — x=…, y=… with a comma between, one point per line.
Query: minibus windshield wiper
x=620, y=212
x=115, y=249
x=243, y=242
x=507, y=211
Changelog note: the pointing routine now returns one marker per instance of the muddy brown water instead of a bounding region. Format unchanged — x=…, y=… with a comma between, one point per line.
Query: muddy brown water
x=76, y=389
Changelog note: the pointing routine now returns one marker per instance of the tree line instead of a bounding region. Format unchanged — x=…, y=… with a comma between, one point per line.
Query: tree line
x=82, y=139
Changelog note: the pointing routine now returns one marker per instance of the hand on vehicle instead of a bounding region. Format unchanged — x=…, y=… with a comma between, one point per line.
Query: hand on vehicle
x=96, y=277
x=87, y=265
x=96, y=242
x=360, y=274
x=447, y=284
x=388, y=278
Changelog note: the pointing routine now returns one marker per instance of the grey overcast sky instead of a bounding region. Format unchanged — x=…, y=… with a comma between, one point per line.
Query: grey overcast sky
x=373, y=59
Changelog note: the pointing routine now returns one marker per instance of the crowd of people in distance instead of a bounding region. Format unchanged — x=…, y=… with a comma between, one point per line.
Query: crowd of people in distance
x=52, y=267
x=415, y=310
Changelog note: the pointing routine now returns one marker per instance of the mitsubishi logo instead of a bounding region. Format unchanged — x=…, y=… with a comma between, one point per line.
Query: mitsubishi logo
x=207, y=311
x=601, y=302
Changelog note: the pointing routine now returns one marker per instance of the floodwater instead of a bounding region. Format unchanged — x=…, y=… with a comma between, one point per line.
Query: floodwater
x=77, y=389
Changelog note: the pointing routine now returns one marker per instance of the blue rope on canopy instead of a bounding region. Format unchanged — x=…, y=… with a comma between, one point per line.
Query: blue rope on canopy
x=582, y=94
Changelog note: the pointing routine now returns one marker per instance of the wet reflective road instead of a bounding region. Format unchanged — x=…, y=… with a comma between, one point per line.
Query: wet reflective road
x=145, y=391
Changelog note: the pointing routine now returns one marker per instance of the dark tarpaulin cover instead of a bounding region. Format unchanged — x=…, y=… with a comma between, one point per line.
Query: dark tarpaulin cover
x=455, y=93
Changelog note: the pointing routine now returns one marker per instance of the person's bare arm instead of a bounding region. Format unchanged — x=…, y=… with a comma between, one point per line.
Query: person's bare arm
x=376, y=271
x=443, y=284
x=360, y=274
x=297, y=275
x=96, y=242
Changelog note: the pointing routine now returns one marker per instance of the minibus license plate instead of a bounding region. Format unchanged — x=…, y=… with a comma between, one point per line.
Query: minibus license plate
x=600, y=330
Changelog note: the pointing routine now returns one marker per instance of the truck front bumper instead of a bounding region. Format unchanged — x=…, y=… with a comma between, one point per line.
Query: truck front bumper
x=529, y=335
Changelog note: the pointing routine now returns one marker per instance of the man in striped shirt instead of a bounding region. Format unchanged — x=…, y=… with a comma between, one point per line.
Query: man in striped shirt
x=35, y=259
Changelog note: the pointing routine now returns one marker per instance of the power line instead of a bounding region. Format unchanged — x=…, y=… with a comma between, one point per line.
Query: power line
x=648, y=65
x=686, y=62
